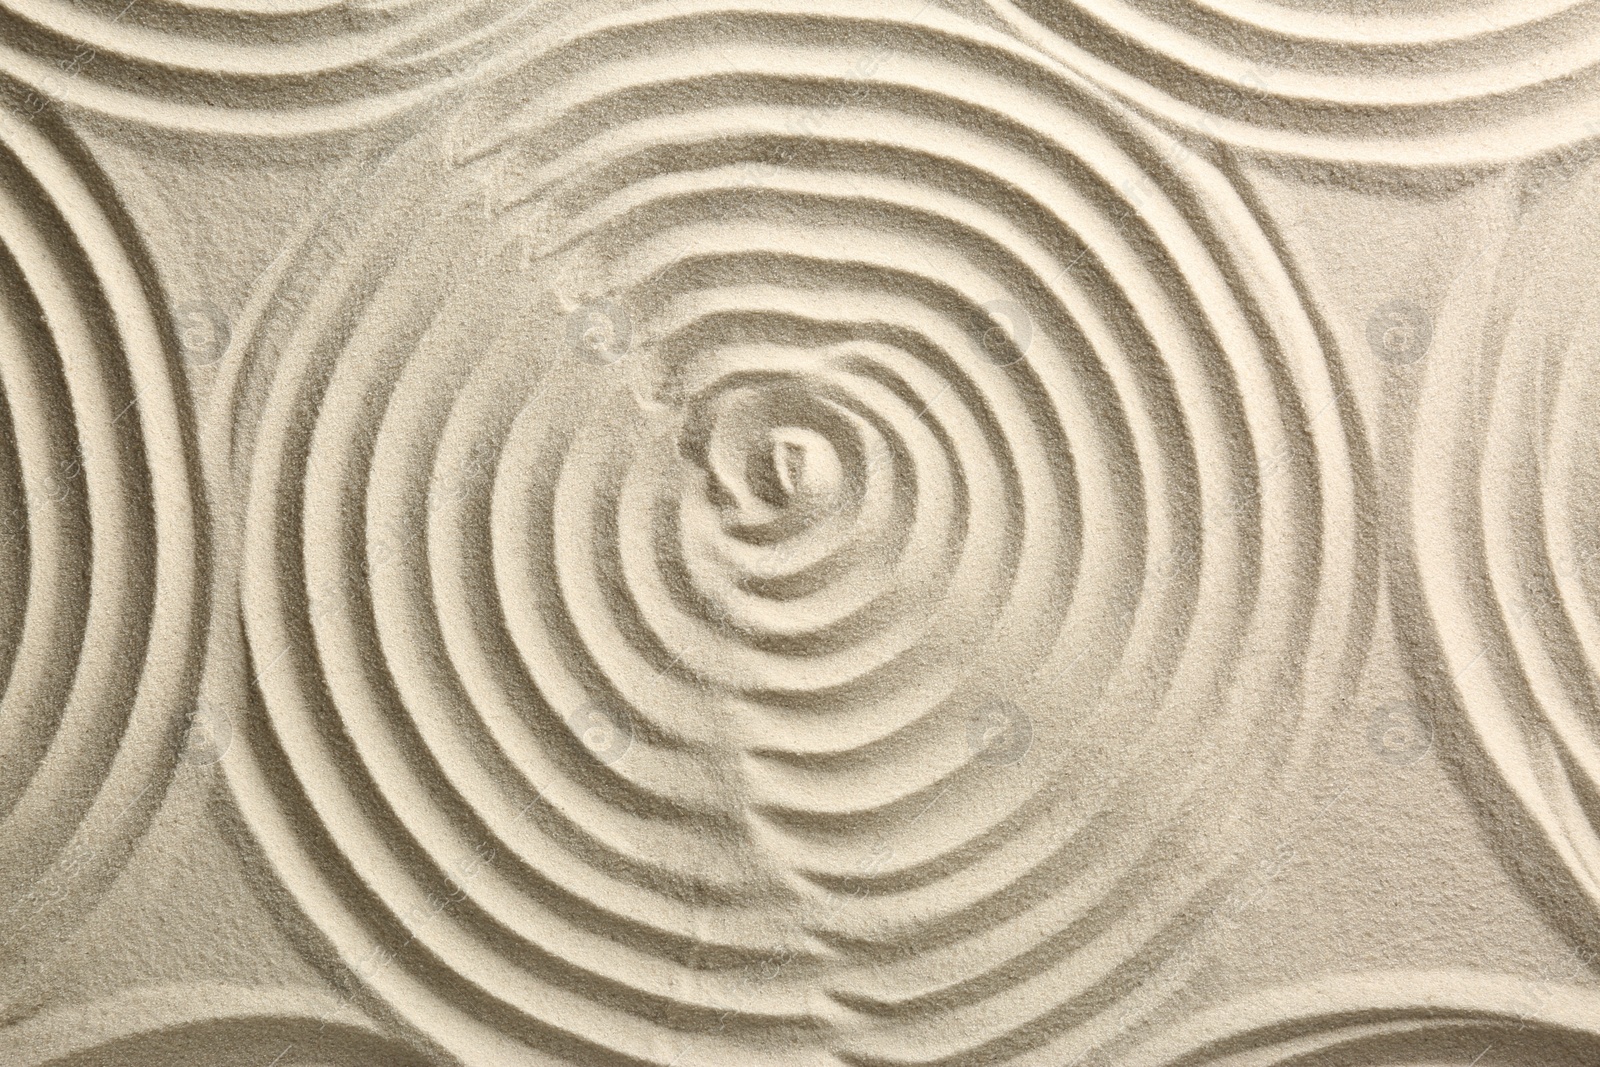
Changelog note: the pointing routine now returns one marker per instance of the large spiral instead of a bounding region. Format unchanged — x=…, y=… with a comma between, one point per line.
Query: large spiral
x=1452, y=82
x=99, y=564
x=756, y=553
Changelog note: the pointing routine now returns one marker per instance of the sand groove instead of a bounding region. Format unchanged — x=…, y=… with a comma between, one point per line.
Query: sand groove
x=771, y=533
x=212, y=1023
x=1504, y=533
x=1456, y=82
x=254, y=69
x=1387, y=1017
x=99, y=635
x=728, y=528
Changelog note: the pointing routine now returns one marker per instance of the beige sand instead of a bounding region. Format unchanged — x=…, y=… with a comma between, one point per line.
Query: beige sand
x=799, y=533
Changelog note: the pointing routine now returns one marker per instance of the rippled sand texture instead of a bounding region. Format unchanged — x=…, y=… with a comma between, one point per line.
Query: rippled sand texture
x=262, y=69
x=1506, y=535
x=692, y=608
x=797, y=533
x=1446, y=82
x=101, y=572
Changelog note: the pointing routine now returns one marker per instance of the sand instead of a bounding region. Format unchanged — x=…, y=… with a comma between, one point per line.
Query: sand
x=799, y=533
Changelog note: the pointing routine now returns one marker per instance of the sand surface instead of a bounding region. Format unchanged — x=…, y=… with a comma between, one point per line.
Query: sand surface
x=800, y=532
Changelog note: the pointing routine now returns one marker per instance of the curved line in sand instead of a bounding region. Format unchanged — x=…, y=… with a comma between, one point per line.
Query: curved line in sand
x=283, y=70
x=180, y=1025
x=98, y=652
x=1468, y=88
x=1462, y=90
x=697, y=519
x=1501, y=526
x=1384, y=1014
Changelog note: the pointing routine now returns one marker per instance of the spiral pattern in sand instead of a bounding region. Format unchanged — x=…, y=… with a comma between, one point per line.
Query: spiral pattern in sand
x=255, y=69
x=707, y=523
x=1387, y=1017
x=1504, y=532
x=165, y=1025
x=99, y=568
x=1456, y=82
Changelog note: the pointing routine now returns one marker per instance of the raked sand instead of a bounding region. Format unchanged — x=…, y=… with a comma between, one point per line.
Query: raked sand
x=799, y=533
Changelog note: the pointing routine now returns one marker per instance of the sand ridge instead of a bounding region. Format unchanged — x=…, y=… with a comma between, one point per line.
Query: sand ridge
x=1435, y=85
x=99, y=649
x=1503, y=532
x=683, y=543
x=794, y=532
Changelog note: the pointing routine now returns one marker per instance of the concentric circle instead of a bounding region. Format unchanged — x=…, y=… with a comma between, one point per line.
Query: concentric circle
x=98, y=615
x=1387, y=1017
x=1454, y=82
x=646, y=557
x=1505, y=550
x=283, y=67
x=169, y=1025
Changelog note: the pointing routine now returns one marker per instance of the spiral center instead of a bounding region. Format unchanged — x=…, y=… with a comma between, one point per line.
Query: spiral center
x=798, y=465
x=773, y=456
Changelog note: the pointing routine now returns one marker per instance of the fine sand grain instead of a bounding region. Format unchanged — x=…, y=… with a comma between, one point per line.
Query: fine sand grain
x=799, y=533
